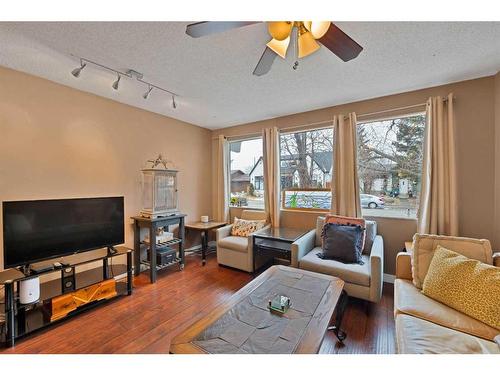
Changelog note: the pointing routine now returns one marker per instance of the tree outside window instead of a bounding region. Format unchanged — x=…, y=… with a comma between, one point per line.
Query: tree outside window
x=390, y=166
x=246, y=173
x=306, y=169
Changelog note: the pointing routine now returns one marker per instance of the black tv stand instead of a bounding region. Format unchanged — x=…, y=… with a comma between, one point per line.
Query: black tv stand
x=23, y=320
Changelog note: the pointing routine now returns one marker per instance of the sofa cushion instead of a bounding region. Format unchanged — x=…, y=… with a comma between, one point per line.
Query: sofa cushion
x=347, y=220
x=235, y=243
x=409, y=300
x=370, y=234
x=425, y=244
x=464, y=284
x=320, y=222
x=342, y=243
x=418, y=336
x=244, y=228
x=351, y=273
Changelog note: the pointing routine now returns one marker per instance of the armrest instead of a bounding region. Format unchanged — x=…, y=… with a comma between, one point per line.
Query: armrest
x=403, y=266
x=376, y=269
x=496, y=259
x=302, y=246
x=223, y=232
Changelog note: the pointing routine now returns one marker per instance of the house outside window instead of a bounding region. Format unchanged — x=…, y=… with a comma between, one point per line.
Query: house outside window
x=390, y=166
x=306, y=169
x=247, y=173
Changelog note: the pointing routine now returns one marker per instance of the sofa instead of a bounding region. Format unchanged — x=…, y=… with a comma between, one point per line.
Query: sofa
x=424, y=325
x=361, y=281
x=235, y=251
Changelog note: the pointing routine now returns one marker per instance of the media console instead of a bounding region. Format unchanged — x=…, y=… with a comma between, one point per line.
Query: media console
x=67, y=293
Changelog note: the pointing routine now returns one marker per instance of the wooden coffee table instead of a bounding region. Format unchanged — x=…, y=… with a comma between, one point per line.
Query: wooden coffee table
x=243, y=324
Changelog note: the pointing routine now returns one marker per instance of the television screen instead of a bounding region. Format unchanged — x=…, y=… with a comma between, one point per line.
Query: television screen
x=43, y=229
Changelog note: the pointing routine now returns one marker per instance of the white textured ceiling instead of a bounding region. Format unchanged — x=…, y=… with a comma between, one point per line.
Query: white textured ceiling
x=213, y=75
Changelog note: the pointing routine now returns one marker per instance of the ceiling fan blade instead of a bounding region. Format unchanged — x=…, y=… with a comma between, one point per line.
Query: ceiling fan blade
x=199, y=29
x=265, y=62
x=340, y=43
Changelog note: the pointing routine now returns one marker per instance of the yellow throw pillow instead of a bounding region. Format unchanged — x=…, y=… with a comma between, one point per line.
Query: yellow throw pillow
x=464, y=284
x=243, y=228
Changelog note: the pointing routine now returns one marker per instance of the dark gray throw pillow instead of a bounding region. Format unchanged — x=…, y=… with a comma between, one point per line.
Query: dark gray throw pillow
x=342, y=243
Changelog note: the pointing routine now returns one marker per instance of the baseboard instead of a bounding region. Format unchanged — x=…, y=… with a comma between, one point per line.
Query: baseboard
x=388, y=278
x=193, y=248
x=197, y=248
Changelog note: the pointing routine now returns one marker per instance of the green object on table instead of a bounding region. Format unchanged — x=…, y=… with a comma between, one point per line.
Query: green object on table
x=279, y=304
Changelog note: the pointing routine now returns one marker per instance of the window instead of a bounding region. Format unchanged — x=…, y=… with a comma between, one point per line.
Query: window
x=247, y=173
x=390, y=166
x=306, y=169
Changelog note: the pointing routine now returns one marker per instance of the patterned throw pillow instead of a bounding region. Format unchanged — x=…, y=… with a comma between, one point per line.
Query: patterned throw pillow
x=243, y=228
x=464, y=284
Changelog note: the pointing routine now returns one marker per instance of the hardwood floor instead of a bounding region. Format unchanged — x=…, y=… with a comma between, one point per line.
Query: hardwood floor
x=146, y=321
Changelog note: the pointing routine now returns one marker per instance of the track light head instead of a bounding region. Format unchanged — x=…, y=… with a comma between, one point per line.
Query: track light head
x=174, y=104
x=146, y=94
x=76, y=72
x=117, y=82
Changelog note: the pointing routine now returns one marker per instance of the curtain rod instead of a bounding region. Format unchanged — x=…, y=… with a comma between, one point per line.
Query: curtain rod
x=391, y=110
x=445, y=99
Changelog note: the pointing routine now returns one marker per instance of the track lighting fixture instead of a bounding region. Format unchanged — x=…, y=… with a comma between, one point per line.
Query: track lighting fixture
x=76, y=72
x=146, y=94
x=132, y=74
x=117, y=82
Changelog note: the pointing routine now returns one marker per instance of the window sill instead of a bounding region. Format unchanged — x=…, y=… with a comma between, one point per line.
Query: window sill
x=247, y=208
x=305, y=211
x=390, y=217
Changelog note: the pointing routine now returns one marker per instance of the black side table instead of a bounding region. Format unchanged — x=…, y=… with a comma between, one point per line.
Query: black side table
x=275, y=243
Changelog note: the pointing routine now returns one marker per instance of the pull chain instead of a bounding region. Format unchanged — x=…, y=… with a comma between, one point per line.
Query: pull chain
x=296, y=49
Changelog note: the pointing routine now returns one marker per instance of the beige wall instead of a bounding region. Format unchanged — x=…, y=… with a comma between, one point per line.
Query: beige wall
x=58, y=142
x=475, y=121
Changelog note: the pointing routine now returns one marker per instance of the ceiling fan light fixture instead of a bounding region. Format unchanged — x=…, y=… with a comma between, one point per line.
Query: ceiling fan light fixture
x=279, y=46
x=280, y=30
x=317, y=28
x=307, y=44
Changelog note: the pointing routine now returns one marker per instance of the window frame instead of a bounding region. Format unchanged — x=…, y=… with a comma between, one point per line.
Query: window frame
x=228, y=163
x=382, y=119
x=282, y=191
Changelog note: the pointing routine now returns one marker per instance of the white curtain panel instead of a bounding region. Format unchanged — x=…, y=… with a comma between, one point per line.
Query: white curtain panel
x=270, y=142
x=345, y=183
x=438, y=210
x=221, y=206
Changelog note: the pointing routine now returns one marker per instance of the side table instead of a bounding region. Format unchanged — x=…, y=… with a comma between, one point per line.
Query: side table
x=204, y=229
x=275, y=243
x=153, y=225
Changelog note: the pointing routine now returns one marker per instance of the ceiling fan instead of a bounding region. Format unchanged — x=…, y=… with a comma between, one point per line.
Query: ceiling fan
x=306, y=36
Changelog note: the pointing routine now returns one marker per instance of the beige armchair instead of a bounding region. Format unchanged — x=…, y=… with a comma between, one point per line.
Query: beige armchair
x=235, y=251
x=361, y=281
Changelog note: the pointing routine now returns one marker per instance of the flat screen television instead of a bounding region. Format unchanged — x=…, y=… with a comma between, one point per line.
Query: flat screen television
x=38, y=230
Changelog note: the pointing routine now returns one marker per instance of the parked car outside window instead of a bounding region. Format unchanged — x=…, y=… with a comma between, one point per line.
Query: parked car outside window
x=371, y=201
